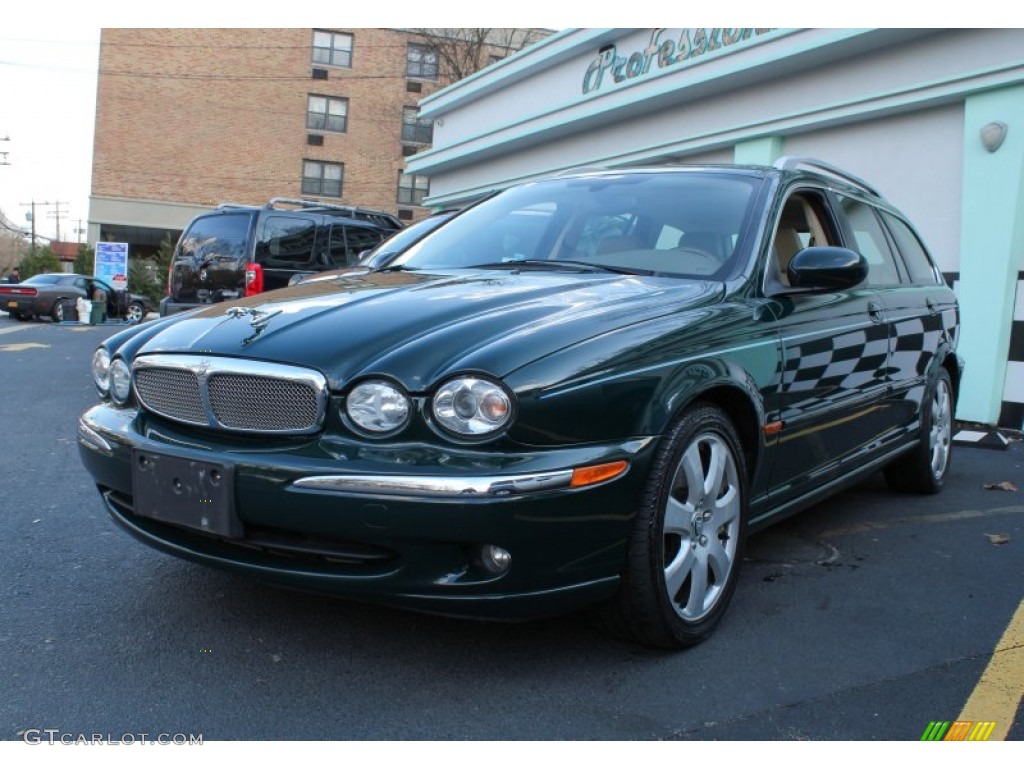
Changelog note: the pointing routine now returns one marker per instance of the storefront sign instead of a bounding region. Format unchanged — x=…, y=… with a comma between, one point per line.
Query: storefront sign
x=112, y=264
x=667, y=48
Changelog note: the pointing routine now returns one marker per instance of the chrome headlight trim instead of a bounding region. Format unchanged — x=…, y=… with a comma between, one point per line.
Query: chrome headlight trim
x=120, y=381
x=472, y=406
x=101, y=370
x=378, y=407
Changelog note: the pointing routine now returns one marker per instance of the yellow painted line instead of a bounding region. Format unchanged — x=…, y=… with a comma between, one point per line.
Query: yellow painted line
x=22, y=347
x=14, y=329
x=943, y=517
x=998, y=694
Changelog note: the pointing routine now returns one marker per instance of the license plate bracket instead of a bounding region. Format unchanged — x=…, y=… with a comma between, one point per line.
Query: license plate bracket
x=187, y=492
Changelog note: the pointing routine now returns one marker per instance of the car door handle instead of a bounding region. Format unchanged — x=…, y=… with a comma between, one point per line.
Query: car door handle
x=875, y=311
x=933, y=308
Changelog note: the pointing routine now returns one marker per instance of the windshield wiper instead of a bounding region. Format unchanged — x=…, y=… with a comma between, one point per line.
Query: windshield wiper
x=394, y=268
x=559, y=265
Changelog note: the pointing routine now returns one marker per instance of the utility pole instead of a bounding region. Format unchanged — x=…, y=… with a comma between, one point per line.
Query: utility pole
x=55, y=214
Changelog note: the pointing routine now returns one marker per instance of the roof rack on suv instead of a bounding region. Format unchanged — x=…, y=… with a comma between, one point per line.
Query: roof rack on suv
x=382, y=218
x=242, y=206
x=792, y=162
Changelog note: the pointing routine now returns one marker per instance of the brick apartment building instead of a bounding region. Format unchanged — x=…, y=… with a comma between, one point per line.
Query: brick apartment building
x=190, y=118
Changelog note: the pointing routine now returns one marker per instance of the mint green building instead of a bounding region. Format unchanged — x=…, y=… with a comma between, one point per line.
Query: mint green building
x=934, y=118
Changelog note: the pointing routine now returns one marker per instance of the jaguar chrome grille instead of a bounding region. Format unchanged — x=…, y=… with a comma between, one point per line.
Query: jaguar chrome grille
x=233, y=395
x=171, y=393
x=261, y=403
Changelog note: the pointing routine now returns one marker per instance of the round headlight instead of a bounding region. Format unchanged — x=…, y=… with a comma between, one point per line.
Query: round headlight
x=472, y=407
x=120, y=380
x=101, y=369
x=377, y=406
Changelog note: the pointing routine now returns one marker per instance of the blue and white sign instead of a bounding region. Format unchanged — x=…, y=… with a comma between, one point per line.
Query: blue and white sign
x=112, y=264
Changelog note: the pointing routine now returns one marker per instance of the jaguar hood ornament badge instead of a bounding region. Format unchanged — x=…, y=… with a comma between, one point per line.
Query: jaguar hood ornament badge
x=257, y=319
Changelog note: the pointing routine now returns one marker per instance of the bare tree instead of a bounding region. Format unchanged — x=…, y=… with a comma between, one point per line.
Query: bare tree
x=13, y=246
x=461, y=51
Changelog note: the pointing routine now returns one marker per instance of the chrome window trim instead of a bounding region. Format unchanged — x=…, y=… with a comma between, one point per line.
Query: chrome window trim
x=203, y=367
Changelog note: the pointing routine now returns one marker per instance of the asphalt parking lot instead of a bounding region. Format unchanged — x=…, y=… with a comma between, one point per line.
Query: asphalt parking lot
x=864, y=618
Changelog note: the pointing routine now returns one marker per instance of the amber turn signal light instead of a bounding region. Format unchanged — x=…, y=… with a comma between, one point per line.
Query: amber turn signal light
x=597, y=474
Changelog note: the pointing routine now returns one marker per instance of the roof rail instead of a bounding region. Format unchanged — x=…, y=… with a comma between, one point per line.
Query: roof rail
x=792, y=162
x=307, y=203
x=351, y=210
x=235, y=205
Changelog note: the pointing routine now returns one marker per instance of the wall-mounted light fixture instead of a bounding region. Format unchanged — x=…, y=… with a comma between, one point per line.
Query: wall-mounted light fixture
x=993, y=135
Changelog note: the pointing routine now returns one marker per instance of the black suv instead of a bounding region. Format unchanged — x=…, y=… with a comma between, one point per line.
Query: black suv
x=241, y=250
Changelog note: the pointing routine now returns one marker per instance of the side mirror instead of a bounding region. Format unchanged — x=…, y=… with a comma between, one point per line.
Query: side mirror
x=825, y=266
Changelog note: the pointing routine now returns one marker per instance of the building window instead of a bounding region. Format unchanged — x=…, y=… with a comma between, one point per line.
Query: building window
x=332, y=48
x=325, y=113
x=412, y=189
x=421, y=62
x=416, y=128
x=322, y=179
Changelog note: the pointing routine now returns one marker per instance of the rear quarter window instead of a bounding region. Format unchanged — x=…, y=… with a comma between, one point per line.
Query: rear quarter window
x=286, y=241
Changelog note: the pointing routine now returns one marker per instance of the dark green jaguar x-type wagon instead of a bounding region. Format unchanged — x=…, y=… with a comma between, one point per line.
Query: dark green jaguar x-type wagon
x=580, y=391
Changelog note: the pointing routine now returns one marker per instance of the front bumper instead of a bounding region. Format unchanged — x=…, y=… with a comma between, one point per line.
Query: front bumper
x=402, y=525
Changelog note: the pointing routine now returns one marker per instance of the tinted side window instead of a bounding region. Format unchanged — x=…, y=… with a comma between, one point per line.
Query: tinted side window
x=915, y=257
x=360, y=239
x=216, y=238
x=287, y=241
x=870, y=242
x=348, y=242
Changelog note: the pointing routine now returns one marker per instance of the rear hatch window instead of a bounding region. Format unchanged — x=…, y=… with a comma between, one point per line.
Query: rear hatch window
x=211, y=257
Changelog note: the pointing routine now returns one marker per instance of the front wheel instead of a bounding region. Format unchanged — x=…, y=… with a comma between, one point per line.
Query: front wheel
x=924, y=469
x=687, y=542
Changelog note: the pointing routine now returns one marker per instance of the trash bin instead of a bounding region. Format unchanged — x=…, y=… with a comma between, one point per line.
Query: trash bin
x=68, y=310
x=96, y=314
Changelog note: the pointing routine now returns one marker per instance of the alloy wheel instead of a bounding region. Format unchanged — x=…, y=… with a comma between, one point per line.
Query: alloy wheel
x=702, y=526
x=941, y=431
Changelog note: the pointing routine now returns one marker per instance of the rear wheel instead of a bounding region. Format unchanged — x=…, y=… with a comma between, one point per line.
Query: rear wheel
x=135, y=312
x=687, y=541
x=924, y=469
x=57, y=311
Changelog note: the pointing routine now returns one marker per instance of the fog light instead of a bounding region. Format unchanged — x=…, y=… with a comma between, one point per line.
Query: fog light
x=495, y=559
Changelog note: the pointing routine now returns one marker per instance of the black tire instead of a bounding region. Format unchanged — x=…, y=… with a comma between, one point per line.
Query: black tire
x=135, y=313
x=925, y=468
x=673, y=530
x=57, y=311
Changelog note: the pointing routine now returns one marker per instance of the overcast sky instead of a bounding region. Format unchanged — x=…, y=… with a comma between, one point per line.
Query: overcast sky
x=47, y=110
x=49, y=54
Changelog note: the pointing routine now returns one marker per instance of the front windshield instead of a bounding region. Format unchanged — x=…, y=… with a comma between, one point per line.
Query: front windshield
x=403, y=238
x=686, y=223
